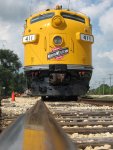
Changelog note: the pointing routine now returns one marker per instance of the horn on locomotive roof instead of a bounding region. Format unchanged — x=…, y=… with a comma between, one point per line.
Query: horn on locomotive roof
x=58, y=7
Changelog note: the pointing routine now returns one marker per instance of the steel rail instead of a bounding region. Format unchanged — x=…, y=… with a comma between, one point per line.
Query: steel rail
x=36, y=130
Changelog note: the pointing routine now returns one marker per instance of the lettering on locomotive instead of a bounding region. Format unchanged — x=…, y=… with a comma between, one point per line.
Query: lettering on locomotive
x=57, y=53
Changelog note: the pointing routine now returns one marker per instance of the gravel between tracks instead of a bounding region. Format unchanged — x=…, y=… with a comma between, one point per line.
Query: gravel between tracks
x=79, y=109
x=19, y=106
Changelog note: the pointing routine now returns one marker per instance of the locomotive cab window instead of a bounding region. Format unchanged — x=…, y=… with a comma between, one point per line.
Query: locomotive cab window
x=73, y=17
x=42, y=17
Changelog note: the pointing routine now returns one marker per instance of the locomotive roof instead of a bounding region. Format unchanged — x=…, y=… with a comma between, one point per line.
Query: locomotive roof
x=59, y=10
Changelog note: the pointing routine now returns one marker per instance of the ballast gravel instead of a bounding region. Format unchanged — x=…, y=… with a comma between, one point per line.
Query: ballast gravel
x=21, y=105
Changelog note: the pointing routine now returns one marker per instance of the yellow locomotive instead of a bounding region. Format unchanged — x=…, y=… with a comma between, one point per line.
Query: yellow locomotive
x=58, y=52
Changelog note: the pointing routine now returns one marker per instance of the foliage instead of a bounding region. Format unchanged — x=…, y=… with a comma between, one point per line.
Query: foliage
x=103, y=89
x=10, y=78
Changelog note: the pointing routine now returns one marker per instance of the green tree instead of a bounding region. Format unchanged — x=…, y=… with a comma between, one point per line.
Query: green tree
x=103, y=89
x=9, y=72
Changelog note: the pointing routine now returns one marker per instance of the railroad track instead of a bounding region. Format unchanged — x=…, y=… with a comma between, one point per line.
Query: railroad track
x=98, y=102
x=89, y=125
x=86, y=124
x=5, y=120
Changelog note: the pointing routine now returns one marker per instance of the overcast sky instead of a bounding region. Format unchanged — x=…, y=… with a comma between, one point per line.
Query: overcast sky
x=13, y=13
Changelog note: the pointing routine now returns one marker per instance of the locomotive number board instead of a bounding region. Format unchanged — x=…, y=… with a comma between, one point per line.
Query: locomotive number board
x=29, y=38
x=86, y=37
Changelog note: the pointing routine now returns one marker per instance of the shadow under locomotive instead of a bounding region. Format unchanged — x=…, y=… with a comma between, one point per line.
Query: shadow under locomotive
x=58, y=80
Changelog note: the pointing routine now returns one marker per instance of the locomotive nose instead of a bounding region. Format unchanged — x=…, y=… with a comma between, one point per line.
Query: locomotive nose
x=57, y=21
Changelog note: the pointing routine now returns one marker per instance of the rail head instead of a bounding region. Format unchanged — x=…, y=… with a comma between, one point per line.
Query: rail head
x=37, y=129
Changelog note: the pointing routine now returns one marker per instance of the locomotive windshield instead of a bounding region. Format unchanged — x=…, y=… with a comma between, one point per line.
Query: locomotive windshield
x=73, y=17
x=42, y=17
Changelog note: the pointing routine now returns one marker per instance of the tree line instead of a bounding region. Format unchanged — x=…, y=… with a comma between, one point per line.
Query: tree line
x=103, y=89
x=11, y=79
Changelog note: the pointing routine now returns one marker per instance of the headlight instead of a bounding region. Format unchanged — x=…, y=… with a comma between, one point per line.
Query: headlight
x=57, y=40
x=57, y=21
